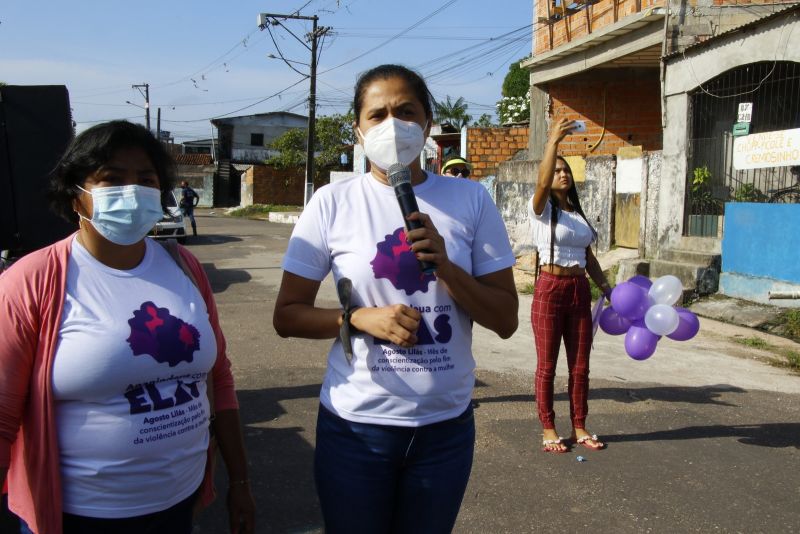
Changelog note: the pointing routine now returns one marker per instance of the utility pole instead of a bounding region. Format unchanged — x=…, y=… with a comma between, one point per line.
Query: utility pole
x=146, y=95
x=158, y=125
x=312, y=118
x=316, y=33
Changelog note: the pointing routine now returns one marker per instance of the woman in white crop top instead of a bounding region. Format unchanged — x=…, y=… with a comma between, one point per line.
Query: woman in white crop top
x=561, y=303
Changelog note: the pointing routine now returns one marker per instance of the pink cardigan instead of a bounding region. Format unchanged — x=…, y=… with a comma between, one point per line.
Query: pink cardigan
x=31, y=305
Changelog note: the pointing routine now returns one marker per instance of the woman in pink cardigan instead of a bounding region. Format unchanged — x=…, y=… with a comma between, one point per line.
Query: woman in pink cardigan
x=114, y=383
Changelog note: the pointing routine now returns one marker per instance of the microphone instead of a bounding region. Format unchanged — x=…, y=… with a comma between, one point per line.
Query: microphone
x=400, y=179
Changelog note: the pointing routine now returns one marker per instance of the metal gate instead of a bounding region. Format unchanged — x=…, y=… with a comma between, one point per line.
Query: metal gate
x=773, y=88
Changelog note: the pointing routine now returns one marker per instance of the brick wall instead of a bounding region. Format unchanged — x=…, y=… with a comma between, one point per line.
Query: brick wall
x=487, y=148
x=605, y=12
x=276, y=186
x=631, y=113
x=573, y=26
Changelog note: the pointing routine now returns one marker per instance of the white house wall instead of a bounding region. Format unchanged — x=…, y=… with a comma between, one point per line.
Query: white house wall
x=271, y=127
x=774, y=40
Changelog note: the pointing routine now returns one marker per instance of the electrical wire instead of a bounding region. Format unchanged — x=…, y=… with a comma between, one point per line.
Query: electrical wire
x=209, y=66
x=109, y=120
x=245, y=107
x=280, y=54
x=394, y=37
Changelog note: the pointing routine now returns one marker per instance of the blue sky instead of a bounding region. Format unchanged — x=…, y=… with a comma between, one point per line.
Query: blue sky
x=208, y=58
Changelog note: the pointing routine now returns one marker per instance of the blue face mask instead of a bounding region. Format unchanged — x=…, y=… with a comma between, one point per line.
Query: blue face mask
x=124, y=214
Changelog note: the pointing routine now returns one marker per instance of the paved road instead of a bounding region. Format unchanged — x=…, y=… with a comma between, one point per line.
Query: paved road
x=703, y=437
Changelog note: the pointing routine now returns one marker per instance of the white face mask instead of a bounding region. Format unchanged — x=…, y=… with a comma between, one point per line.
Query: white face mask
x=124, y=214
x=393, y=141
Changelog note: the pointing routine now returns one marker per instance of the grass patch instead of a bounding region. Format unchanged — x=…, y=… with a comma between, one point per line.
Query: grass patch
x=786, y=358
x=754, y=342
x=527, y=289
x=790, y=319
x=261, y=210
x=792, y=359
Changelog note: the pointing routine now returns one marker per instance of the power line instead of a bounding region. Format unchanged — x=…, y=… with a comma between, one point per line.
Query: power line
x=109, y=120
x=240, y=42
x=394, y=37
x=273, y=95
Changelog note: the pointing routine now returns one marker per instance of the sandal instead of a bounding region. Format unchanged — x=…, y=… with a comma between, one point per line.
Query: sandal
x=598, y=445
x=551, y=445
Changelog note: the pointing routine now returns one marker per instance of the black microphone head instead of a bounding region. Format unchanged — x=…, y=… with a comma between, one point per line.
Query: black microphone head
x=398, y=174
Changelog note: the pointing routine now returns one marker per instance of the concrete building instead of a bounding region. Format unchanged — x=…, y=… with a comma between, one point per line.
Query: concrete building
x=658, y=85
x=246, y=140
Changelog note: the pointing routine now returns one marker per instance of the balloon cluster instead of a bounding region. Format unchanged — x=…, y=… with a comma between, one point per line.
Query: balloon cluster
x=643, y=311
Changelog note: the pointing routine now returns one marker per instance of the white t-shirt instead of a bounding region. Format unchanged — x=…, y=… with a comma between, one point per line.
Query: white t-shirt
x=573, y=235
x=129, y=381
x=354, y=228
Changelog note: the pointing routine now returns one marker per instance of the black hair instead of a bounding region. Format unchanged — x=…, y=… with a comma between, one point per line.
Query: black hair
x=555, y=211
x=94, y=148
x=385, y=72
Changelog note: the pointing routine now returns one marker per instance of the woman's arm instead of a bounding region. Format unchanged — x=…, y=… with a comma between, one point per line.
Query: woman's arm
x=548, y=164
x=226, y=423
x=491, y=300
x=19, y=330
x=241, y=507
x=596, y=273
x=296, y=316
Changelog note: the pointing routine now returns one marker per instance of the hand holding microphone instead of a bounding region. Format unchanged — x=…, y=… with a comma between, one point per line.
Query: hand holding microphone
x=400, y=179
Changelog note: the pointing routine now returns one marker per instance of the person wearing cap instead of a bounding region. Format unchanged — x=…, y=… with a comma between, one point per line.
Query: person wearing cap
x=456, y=166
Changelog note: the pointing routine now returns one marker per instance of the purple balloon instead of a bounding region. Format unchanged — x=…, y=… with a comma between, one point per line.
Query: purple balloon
x=641, y=281
x=630, y=301
x=613, y=323
x=688, y=325
x=640, y=343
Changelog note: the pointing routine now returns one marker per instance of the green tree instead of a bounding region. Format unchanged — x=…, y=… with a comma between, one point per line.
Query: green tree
x=517, y=81
x=333, y=135
x=484, y=121
x=291, y=148
x=451, y=112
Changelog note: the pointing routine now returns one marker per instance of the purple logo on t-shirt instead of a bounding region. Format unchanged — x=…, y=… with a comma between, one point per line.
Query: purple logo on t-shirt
x=164, y=337
x=396, y=262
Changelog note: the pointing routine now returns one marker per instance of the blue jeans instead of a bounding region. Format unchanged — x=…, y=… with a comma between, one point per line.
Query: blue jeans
x=387, y=479
x=176, y=519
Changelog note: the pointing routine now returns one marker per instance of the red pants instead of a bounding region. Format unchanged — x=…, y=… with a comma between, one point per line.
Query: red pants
x=562, y=308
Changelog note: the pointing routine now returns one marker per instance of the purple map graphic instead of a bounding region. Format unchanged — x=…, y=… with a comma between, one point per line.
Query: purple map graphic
x=164, y=337
x=396, y=262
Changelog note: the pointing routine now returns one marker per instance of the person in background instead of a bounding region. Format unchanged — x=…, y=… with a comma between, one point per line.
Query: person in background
x=113, y=370
x=456, y=166
x=395, y=430
x=561, y=299
x=189, y=201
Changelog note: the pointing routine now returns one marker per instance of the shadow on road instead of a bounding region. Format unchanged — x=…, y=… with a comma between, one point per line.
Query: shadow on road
x=281, y=462
x=692, y=395
x=773, y=435
x=211, y=239
x=221, y=279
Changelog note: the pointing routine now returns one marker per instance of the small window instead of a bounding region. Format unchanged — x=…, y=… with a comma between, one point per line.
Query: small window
x=257, y=139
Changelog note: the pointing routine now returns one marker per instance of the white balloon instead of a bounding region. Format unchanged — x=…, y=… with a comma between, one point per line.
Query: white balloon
x=666, y=290
x=661, y=319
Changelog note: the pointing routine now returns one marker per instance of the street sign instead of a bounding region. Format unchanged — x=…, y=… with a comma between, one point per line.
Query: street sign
x=741, y=128
x=745, y=112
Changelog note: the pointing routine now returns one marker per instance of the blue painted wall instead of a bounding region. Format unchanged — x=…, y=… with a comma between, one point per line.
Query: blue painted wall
x=762, y=240
x=761, y=252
